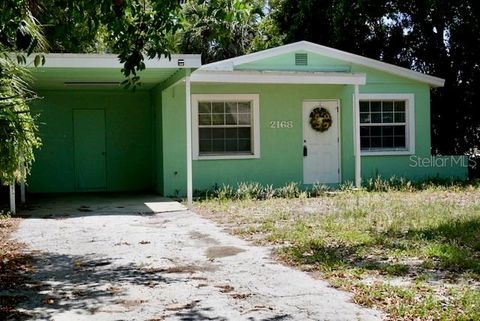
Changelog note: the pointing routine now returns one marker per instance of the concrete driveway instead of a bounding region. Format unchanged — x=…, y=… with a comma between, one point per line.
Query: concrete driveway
x=148, y=258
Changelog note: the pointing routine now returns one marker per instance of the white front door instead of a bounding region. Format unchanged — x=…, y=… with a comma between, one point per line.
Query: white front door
x=321, y=160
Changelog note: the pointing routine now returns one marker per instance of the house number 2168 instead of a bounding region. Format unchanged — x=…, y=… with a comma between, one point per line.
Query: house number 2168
x=281, y=124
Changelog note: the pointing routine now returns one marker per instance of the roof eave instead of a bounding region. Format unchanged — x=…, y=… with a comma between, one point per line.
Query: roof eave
x=55, y=60
x=229, y=64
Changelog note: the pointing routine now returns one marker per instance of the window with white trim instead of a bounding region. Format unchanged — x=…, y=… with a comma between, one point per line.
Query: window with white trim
x=386, y=123
x=225, y=126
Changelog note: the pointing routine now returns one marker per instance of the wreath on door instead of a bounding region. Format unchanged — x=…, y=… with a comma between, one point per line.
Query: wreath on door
x=320, y=119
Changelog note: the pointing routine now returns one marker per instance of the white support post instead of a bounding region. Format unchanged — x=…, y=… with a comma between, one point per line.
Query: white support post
x=13, y=209
x=358, y=159
x=188, y=107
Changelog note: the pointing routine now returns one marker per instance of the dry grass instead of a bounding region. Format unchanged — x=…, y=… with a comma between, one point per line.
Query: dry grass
x=413, y=254
x=14, y=269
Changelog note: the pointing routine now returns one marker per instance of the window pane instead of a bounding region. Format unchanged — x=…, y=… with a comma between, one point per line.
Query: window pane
x=218, y=107
x=205, y=133
x=399, y=130
x=364, y=107
x=387, y=117
x=387, y=106
x=244, y=107
x=376, y=106
x=387, y=130
x=231, y=107
x=399, y=117
x=244, y=119
x=244, y=132
x=399, y=142
x=365, y=118
x=365, y=142
x=387, y=142
x=218, y=145
x=399, y=106
x=376, y=142
x=376, y=117
x=218, y=119
x=204, y=107
x=231, y=119
x=231, y=145
x=205, y=146
x=244, y=145
x=218, y=133
x=204, y=119
x=364, y=131
x=231, y=133
x=376, y=131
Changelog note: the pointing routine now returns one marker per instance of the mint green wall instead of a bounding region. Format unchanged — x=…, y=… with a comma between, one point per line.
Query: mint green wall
x=281, y=158
x=129, y=139
x=156, y=97
x=174, y=140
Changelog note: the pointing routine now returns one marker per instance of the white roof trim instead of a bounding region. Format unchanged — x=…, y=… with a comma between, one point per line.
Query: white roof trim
x=229, y=64
x=262, y=77
x=55, y=60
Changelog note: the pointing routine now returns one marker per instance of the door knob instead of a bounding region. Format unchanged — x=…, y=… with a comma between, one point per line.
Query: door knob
x=305, y=151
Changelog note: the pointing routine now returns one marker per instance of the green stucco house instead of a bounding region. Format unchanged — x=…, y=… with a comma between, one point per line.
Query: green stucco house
x=300, y=112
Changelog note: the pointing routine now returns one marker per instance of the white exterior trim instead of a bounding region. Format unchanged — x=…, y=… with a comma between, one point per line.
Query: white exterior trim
x=267, y=77
x=410, y=130
x=55, y=60
x=356, y=131
x=230, y=64
x=188, y=123
x=254, y=98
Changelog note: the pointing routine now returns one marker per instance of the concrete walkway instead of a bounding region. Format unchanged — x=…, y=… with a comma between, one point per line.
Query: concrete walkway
x=146, y=258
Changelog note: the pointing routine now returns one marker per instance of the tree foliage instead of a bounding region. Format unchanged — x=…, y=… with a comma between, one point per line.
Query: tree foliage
x=218, y=29
x=19, y=33
x=439, y=37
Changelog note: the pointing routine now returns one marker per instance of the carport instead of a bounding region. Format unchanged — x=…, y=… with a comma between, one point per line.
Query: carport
x=98, y=136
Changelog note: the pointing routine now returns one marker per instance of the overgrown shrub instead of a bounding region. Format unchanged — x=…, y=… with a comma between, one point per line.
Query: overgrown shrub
x=291, y=190
x=378, y=184
x=319, y=189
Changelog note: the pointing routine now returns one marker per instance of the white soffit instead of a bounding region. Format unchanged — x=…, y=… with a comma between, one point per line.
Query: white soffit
x=55, y=60
x=269, y=77
x=229, y=64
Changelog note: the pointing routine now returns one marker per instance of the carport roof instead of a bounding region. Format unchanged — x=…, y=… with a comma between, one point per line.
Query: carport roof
x=64, y=71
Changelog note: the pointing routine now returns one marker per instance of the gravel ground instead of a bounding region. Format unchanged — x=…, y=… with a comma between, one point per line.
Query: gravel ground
x=99, y=259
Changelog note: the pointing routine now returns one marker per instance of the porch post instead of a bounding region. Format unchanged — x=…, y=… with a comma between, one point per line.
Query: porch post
x=358, y=159
x=12, y=198
x=188, y=110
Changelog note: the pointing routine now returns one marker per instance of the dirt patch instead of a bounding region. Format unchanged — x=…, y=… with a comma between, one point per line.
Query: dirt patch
x=204, y=238
x=216, y=252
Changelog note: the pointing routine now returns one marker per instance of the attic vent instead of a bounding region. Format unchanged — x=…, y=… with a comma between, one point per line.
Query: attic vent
x=301, y=59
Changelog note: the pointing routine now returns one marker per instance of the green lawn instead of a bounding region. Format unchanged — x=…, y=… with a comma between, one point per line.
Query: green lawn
x=414, y=254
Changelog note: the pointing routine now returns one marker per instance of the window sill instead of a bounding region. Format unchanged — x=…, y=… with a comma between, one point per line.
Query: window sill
x=387, y=153
x=225, y=157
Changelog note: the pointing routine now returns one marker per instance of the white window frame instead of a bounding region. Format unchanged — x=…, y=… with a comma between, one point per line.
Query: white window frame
x=410, y=123
x=255, y=141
